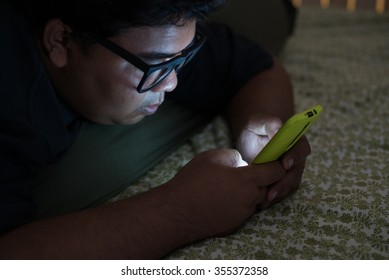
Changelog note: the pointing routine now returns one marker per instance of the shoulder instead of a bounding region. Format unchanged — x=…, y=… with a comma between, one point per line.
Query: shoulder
x=30, y=111
x=224, y=64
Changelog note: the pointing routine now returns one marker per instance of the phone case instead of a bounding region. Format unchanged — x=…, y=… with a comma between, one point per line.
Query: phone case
x=292, y=130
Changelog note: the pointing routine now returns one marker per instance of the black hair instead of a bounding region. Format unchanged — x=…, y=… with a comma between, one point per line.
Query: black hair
x=109, y=17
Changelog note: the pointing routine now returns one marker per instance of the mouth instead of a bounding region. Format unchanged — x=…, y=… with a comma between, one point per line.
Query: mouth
x=150, y=109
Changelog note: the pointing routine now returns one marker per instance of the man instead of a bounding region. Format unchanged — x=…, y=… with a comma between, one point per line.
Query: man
x=97, y=63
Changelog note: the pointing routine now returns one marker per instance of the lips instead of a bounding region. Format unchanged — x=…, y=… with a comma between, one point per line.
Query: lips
x=155, y=103
x=151, y=109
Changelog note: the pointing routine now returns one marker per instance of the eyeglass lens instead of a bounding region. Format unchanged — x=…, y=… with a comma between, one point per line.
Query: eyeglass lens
x=158, y=76
x=155, y=78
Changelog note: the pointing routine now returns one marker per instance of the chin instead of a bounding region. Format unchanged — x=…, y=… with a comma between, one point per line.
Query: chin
x=128, y=121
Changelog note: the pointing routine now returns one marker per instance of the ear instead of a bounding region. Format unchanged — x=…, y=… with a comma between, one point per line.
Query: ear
x=55, y=41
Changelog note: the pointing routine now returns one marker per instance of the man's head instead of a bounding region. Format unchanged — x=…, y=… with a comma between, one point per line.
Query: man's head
x=97, y=51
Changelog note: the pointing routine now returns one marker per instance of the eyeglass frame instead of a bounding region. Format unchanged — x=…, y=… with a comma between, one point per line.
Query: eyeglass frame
x=147, y=69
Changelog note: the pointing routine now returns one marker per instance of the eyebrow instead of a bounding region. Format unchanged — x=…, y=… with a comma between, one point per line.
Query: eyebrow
x=162, y=55
x=157, y=55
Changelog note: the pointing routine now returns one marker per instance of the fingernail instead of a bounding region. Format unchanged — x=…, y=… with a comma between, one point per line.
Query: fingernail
x=272, y=196
x=289, y=163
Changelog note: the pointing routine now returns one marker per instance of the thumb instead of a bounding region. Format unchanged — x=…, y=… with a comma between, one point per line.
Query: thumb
x=232, y=158
x=237, y=159
x=265, y=127
x=229, y=157
x=272, y=127
x=265, y=174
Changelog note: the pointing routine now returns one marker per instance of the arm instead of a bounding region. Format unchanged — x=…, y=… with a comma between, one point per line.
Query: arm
x=204, y=199
x=256, y=113
x=269, y=93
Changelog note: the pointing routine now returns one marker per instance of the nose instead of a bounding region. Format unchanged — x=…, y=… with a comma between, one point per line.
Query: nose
x=168, y=84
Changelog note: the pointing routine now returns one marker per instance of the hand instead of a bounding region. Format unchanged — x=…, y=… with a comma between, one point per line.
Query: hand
x=294, y=162
x=217, y=191
x=251, y=141
x=256, y=134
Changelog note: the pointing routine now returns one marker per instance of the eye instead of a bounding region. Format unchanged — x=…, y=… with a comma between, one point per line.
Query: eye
x=156, y=60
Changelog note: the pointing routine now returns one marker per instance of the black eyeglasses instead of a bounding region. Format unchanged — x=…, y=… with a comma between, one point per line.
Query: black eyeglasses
x=154, y=74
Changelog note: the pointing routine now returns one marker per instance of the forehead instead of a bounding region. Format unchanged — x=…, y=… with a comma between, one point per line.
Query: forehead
x=167, y=38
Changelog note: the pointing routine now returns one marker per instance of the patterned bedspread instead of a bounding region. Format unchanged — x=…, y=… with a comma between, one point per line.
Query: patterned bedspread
x=341, y=211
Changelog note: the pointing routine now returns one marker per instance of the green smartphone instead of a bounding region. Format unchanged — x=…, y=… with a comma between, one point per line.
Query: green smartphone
x=291, y=131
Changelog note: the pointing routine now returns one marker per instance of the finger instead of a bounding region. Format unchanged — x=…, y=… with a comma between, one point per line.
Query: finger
x=237, y=160
x=265, y=126
x=228, y=157
x=281, y=189
x=263, y=175
x=272, y=128
x=297, y=154
x=259, y=198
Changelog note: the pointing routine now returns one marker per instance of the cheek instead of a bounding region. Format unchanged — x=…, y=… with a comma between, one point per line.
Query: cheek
x=123, y=85
x=110, y=96
x=118, y=82
x=104, y=90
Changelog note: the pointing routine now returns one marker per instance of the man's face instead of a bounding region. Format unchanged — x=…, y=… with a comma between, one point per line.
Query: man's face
x=102, y=86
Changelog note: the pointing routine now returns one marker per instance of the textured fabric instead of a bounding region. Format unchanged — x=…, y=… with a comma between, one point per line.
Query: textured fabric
x=341, y=211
